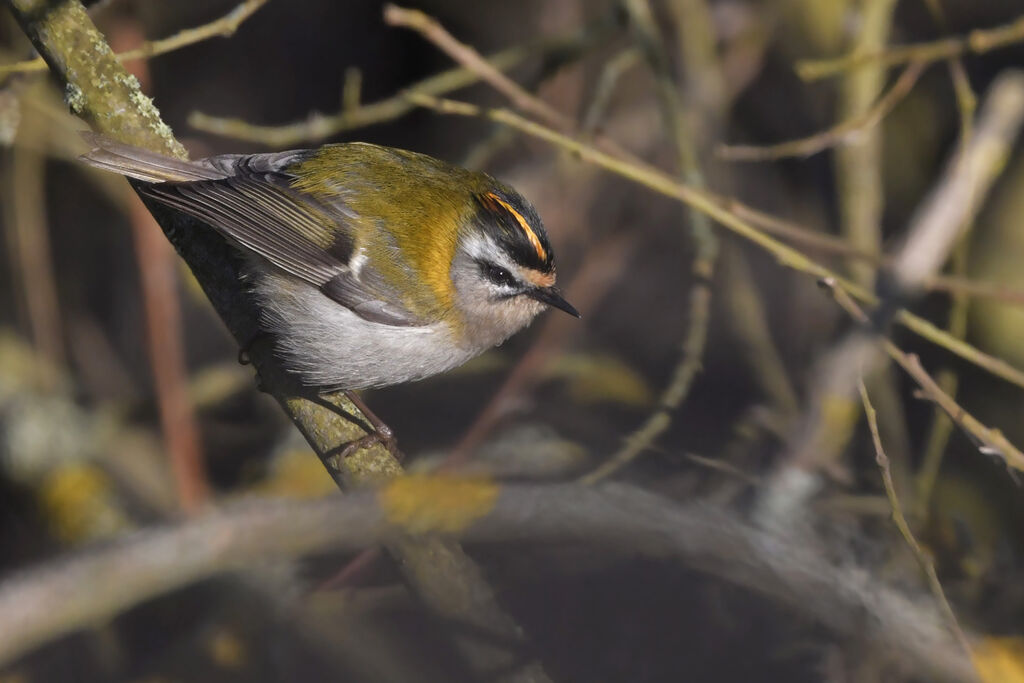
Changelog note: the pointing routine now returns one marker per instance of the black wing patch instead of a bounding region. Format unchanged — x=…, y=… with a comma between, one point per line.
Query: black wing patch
x=262, y=213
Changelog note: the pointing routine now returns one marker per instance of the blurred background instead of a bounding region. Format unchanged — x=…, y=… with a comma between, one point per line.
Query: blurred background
x=122, y=402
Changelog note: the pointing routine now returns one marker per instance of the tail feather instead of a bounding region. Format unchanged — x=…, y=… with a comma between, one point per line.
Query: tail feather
x=141, y=164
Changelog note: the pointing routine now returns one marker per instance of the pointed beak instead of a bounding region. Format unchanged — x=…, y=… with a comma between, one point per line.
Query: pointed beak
x=551, y=297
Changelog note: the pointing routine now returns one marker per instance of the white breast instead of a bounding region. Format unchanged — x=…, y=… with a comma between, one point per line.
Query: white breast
x=329, y=346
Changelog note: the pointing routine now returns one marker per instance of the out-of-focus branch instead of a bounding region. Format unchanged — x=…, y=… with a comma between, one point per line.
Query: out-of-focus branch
x=99, y=90
x=164, y=336
x=922, y=558
x=520, y=97
x=37, y=279
x=850, y=600
x=832, y=410
x=858, y=165
x=947, y=378
x=465, y=55
x=165, y=339
x=717, y=208
x=838, y=135
x=975, y=42
x=746, y=316
x=613, y=70
x=678, y=123
x=989, y=441
x=965, y=183
x=319, y=127
x=223, y=27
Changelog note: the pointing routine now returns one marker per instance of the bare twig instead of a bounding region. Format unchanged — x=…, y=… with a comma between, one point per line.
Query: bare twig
x=989, y=441
x=832, y=413
x=99, y=90
x=520, y=97
x=613, y=70
x=158, y=278
x=222, y=27
x=858, y=166
x=835, y=136
x=468, y=57
x=691, y=347
x=164, y=331
x=922, y=558
x=318, y=126
x=38, y=283
x=715, y=207
x=975, y=42
x=942, y=427
x=46, y=601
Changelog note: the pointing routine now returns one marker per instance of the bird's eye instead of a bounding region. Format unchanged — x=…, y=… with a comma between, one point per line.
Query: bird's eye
x=498, y=275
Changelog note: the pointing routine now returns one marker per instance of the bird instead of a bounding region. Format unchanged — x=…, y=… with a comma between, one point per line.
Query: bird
x=370, y=265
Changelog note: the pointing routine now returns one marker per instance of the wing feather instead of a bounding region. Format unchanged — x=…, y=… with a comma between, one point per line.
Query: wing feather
x=262, y=213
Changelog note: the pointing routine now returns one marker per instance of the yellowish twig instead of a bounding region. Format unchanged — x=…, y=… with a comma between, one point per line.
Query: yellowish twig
x=320, y=126
x=836, y=135
x=975, y=42
x=222, y=27
x=988, y=440
x=925, y=562
x=468, y=57
x=942, y=427
x=702, y=268
x=520, y=97
x=714, y=207
x=614, y=69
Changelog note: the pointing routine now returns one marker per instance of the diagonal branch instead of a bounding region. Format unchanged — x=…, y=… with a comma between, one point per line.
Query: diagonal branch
x=222, y=27
x=101, y=92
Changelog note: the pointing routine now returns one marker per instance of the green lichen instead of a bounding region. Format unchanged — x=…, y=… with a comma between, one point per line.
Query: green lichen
x=75, y=99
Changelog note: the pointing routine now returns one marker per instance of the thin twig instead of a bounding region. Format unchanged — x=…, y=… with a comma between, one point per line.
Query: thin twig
x=860, y=190
x=942, y=427
x=989, y=441
x=520, y=97
x=318, y=127
x=468, y=57
x=860, y=186
x=835, y=136
x=614, y=69
x=165, y=342
x=35, y=268
x=222, y=27
x=100, y=91
x=976, y=42
x=691, y=347
x=923, y=560
x=715, y=207
x=830, y=244
x=158, y=271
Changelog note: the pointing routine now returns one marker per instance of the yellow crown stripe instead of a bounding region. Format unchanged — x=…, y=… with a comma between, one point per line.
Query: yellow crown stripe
x=530, y=234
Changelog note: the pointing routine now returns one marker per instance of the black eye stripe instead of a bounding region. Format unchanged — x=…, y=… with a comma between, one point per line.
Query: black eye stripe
x=497, y=274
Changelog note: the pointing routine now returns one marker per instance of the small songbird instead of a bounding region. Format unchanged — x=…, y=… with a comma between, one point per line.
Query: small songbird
x=371, y=265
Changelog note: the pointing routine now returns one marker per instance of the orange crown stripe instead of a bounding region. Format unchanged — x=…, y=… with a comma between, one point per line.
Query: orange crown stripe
x=530, y=234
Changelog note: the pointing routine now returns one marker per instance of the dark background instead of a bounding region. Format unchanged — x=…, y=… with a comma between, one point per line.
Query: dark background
x=82, y=457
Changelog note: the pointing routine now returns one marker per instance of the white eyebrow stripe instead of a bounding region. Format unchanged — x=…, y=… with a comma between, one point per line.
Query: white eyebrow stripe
x=483, y=248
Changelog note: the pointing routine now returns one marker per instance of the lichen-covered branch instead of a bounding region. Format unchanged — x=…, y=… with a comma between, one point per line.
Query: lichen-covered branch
x=222, y=27
x=100, y=91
